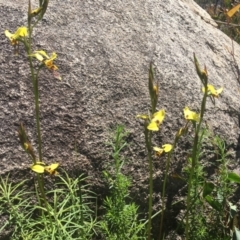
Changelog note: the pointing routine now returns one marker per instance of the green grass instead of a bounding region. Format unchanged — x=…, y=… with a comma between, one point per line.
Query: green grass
x=70, y=214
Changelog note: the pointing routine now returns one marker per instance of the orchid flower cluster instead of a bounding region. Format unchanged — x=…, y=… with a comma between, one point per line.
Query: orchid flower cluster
x=21, y=35
x=24, y=35
x=153, y=121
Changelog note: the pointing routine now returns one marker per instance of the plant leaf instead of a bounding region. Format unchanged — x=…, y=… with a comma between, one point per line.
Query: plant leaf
x=214, y=204
x=207, y=188
x=233, y=177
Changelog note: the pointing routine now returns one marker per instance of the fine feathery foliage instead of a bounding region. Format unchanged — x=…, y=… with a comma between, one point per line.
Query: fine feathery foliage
x=120, y=221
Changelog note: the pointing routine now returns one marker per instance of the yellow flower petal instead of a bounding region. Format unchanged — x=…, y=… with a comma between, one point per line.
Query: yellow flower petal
x=156, y=120
x=38, y=168
x=43, y=53
x=156, y=89
x=167, y=147
x=190, y=115
x=40, y=163
x=38, y=56
x=53, y=56
x=212, y=91
x=158, y=150
x=8, y=34
x=159, y=116
x=43, y=57
x=21, y=32
x=10, y=37
x=153, y=126
x=219, y=91
x=52, y=168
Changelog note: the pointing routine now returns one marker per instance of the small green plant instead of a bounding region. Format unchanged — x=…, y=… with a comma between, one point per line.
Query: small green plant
x=14, y=206
x=212, y=215
x=218, y=193
x=198, y=226
x=120, y=222
x=70, y=216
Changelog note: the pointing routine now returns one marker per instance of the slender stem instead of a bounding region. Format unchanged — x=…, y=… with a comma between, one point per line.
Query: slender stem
x=164, y=186
x=148, y=142
x=163, y=197
x=192, y=203
x=40, y=183
x=38, y=119
x=34, y=77
x=194, y=161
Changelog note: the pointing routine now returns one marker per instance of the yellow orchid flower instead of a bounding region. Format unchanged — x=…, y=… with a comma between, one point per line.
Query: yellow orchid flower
x=156, y=120
x=14, y=37
x=52, y=169
x=165, y=148
x=47, y=60
x=212, y=91
x=190, y=115
x=40, y=167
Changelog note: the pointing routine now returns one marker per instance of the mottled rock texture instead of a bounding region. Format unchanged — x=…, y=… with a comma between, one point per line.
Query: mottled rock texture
x=104, y=50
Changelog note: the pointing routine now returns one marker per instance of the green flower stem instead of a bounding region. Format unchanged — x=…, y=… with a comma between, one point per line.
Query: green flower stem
x=34, y=77
x=35, y=91
x=164, y=186
x=194, y=160
x=38, y=119
x=40, y=183
x=36, y=96
x=148, y=142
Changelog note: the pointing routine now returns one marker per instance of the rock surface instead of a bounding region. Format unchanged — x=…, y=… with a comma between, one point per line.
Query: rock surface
x=104, y=50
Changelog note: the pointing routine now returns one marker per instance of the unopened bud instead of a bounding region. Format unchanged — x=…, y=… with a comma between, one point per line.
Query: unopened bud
x=25, y=145
x=35, y=12
x=182, y=131
x=155, y=89
x=203, y=75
